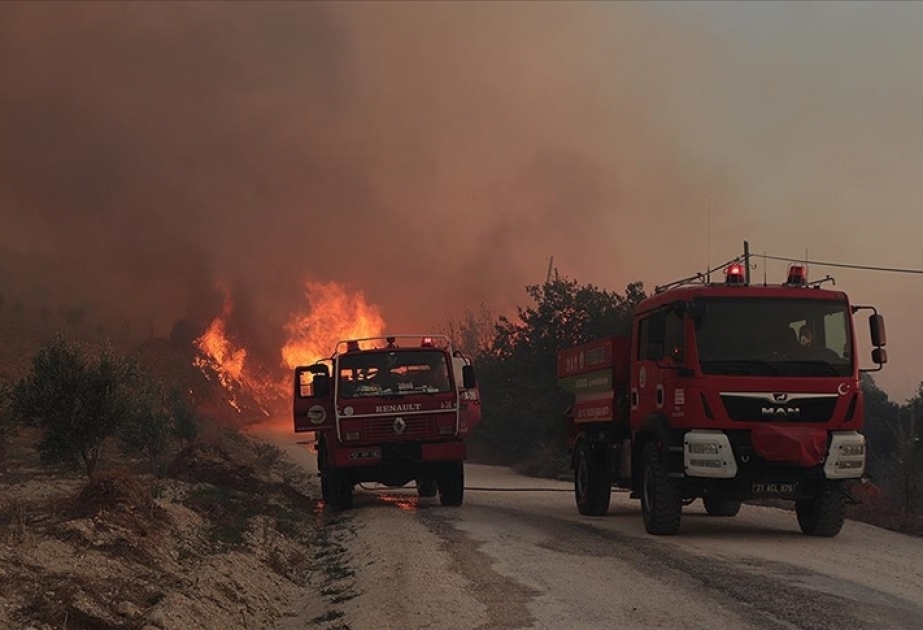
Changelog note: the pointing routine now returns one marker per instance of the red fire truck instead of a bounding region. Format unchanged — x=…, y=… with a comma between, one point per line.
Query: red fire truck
x=723, y=392
x=389, y=410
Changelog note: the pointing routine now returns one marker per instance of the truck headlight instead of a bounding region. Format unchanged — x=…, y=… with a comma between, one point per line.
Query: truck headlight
x=852, y=450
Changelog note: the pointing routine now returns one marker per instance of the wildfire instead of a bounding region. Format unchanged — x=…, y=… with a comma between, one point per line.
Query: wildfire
x=220, y=355
x=215, y=344
x=333, y=314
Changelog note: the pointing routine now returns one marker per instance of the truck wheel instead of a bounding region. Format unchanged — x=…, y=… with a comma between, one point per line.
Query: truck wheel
x=824, y=514
x=592, y=487
x=341, y=490
x=427, y=487
x=661, y=503
x=452, y=484
x=716, y=506
x=326, y=487
x=326, y=475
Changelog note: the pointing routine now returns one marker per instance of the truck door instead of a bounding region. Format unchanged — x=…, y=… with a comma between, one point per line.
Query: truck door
x=660, y=352
x=312, y=407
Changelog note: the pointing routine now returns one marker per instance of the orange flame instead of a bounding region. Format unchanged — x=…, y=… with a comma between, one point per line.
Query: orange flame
x=333, y=314
x=215, y=344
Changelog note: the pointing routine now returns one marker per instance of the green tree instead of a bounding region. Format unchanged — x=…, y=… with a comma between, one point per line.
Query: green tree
x=906, y=465
x=523, y=405
x=882, y=417
x=159, y=416
x=147, y=427
x=77, y=399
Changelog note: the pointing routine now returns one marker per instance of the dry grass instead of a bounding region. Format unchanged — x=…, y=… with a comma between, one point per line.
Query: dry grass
x=108, y=552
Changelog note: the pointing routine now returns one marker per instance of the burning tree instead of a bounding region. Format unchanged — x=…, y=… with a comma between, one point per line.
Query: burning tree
x=334, y=313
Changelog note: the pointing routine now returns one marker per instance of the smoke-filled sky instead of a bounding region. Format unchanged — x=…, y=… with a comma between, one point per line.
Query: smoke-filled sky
x=434, y=155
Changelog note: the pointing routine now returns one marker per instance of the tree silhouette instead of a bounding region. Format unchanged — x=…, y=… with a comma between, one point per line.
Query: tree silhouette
x=523, y=406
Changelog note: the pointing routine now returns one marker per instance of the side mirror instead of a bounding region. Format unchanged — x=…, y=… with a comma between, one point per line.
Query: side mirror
x=321, y=385
x=880, y=356
x=696, y=310
x=877, y=328
x=469, y=380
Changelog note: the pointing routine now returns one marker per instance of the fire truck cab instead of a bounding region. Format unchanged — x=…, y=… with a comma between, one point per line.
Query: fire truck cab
x=724, y=392
x=389, y=410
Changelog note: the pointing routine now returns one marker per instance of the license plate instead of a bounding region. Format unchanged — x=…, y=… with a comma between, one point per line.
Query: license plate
x=773, y=487
x=364, y=454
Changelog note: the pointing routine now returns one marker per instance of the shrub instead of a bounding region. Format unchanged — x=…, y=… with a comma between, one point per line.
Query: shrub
x=77, y=400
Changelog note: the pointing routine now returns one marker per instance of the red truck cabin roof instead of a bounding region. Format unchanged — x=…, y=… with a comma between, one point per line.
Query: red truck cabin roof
x=688, y=293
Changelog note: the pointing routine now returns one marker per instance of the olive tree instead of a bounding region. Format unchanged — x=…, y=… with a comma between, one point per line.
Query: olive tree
x=77, y=399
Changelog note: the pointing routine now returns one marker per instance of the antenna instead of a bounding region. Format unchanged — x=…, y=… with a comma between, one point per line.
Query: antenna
x=764, y=268
x=747, y=261
x=550, y=268
x=708, y=245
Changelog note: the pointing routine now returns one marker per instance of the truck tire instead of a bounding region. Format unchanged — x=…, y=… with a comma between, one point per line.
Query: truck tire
x=326, y=487
x=452, y=484
x=341, y=489
x=716, y=506
x=427, y=487
x=326, y=482
x=824, y=514
x=592, y=487
x=661, y=502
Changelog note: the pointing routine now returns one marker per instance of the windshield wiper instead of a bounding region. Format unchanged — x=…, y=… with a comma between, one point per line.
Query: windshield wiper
x=387, y=393
x=747, y=367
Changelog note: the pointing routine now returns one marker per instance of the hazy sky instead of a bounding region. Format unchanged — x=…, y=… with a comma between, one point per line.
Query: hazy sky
x=433, y=155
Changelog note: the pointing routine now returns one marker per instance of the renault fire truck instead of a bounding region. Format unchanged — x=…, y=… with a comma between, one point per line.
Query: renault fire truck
x=723, y=392
x=389, y=410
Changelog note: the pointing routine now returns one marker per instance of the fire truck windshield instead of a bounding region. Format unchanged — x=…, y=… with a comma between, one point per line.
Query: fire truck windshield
x=774, y=337
x=393, y=373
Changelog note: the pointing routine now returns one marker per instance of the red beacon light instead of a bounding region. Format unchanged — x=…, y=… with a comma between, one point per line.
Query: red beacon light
x=797, y=276
x=734, y=275
x=427, y=342
x=352, y=346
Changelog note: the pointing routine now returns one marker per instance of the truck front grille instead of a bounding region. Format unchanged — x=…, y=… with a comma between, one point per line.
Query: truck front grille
x=382, y=429
x=745, y=409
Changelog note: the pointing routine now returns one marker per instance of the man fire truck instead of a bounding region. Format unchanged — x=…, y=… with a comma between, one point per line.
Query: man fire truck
x=715, y=396
x=389, y=410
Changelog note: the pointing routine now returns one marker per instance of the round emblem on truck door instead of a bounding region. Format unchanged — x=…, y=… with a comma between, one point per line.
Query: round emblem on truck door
x=317, y=414
x=399, y=426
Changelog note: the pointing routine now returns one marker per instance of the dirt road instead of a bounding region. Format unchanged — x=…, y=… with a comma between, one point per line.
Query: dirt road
x=517, y=555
